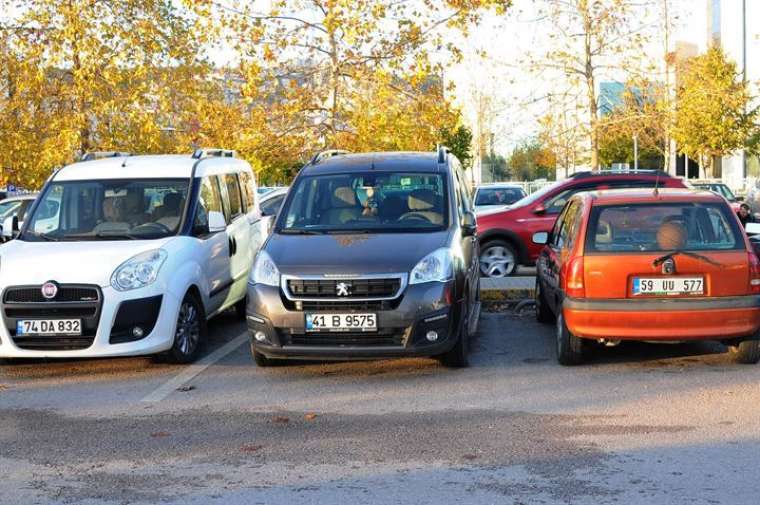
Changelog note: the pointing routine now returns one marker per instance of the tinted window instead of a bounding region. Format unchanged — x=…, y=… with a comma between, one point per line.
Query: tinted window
x=498, y=196
x=233, y=195
x=663, y=227
x=246, y=184
x=209, y=200
x=270, y=206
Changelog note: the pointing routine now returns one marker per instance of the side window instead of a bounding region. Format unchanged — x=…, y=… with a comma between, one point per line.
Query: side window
x=234, y=199
x=249, y=190
x=562, y=233
x=458, y=195
x=574, y=216
x=555, y=204
x=209, y=200
x=465, y=191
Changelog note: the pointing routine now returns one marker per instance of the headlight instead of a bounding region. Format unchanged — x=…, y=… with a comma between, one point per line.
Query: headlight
x=436, y=266
x=138, y=271
x=264, y=270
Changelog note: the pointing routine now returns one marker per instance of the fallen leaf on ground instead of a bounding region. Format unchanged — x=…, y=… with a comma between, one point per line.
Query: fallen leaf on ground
x=251, y=448
x=160, y=434
x=185, y=389
x=280, y=419
x=310, y=417
x=469, y=457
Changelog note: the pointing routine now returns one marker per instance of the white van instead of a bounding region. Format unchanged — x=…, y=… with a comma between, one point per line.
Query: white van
x=141, y=252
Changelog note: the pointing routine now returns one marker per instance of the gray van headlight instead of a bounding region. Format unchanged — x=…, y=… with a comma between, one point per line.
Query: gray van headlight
x=138, y=271
x=265, y=271
x=436, y=266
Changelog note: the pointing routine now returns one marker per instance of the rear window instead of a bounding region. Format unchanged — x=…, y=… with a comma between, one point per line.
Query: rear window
x=663, y=227
x=498, y=196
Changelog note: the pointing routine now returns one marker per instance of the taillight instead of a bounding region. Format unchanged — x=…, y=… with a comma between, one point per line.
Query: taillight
x=754, y=273
x=574, y=286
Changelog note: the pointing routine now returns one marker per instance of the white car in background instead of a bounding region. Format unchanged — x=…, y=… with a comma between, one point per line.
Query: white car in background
x=141, y=252
x=496, y=196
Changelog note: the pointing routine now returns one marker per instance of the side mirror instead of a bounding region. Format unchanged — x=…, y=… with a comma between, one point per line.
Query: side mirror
x=540, y=209
x=10, y=228
x=216, y=222
x=541, y=238
x=469, y=224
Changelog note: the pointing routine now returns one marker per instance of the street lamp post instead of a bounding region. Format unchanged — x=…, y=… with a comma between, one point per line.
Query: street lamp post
x=635, y=152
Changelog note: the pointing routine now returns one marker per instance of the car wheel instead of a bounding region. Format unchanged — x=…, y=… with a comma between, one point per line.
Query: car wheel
x=747, y=352
x=457, y=357
x=570, y=349
x=543, y=312
x=498, y=259
x=191, y=331
x=240, y=308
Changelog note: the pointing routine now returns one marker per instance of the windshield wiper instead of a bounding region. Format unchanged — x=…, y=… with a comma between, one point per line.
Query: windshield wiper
x=42, y=236
x=296, y=231
x=118, y=235
x=662, y=259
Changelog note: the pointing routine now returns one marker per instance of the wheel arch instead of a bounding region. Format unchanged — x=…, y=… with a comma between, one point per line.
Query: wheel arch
x=507, y=236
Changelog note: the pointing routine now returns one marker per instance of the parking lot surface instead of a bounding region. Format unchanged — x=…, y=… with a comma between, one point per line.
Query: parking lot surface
x=640, y=424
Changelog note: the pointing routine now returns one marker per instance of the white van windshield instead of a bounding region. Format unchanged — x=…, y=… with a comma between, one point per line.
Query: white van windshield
x=134, y=209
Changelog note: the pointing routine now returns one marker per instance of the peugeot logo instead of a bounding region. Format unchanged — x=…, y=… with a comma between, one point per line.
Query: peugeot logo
x=342, y=289
x=49, y=290
x=669, y=267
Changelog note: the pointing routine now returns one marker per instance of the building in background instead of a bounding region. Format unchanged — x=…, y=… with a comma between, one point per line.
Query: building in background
x=735, y=26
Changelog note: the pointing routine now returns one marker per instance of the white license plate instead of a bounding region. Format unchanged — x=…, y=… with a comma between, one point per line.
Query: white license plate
x=668, y=285
x=49, y=327
x=341, y=322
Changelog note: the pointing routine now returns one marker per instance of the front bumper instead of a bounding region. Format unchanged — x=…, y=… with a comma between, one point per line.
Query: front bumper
x=676, y=319
x=109, y=332
x=402, y=326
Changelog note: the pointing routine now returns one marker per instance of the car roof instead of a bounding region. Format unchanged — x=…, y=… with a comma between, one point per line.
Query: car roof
x=380, y=161
x=498, y=185
x=648, y=195
x=18, y=198
x=160, y=166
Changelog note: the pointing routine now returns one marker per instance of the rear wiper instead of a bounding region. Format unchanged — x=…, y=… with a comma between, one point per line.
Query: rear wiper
x=662, y=259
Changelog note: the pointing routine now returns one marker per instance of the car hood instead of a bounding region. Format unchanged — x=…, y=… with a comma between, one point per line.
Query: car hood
x=485, y=210
x=67, y=262
x=352, y=254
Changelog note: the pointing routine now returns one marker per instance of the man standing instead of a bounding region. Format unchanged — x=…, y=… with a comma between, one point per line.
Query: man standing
x=745, y=215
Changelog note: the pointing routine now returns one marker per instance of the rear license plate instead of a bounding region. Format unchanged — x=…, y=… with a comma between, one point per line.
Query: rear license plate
x=668, y=286
x=341, y=322
x=49, y=327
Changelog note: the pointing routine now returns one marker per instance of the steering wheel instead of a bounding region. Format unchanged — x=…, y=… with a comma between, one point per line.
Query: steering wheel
x=155, y=226
x=415, y=216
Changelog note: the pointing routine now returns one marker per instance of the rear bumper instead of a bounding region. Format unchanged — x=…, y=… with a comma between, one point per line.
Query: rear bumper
x=717, y=318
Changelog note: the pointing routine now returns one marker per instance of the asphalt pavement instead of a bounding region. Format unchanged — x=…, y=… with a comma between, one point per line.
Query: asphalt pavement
x=641, y=424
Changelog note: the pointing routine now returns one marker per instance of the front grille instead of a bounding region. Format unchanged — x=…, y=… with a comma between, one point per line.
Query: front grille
x=323, y=305
x=71, y=302
x=33, y=294
x=387, y=337
x=357, y=288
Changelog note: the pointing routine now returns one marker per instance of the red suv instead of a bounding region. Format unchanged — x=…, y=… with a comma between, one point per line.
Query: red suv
x=506, y=235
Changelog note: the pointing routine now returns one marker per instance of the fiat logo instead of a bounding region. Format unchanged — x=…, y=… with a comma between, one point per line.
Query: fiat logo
x=49, y=290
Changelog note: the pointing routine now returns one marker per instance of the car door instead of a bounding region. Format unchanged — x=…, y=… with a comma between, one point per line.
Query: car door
x=239, y=237
x=469, y=243
x=214, y=248
x=257, y=229
x=553, y=256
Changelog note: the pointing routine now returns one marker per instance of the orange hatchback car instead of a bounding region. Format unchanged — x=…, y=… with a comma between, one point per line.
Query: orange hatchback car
x=673, y=265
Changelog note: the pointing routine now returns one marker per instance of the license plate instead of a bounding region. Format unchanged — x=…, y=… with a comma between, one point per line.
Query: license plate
x=668, y=285
x=49, y=327
x=341, y=322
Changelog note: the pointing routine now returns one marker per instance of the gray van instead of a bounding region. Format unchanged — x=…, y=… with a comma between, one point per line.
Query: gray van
x=372, y=255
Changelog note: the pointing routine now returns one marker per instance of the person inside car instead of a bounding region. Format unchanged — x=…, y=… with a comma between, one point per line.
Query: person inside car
x=745, y=215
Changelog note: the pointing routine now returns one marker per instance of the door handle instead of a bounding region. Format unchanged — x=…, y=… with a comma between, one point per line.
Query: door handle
x=233, y=246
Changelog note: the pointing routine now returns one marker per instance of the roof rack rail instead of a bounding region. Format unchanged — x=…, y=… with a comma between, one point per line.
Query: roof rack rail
x=209, y=152
x=625, y=171
x=442, y=151
x=323, y=155
x=99, y=155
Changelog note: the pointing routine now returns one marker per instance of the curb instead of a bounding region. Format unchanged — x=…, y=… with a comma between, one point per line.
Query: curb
x=508, y=294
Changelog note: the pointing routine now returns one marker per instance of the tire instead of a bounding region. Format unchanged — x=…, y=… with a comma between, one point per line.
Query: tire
x=543, y=312
x=747, y=352
x=457, y=356
x=498, y=258
x=570, y=349
x=191, y=332
x=241, y=307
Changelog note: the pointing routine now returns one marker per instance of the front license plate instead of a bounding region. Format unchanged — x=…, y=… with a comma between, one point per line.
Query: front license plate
x=341, y=322
x=668, y=286
x=49, y=327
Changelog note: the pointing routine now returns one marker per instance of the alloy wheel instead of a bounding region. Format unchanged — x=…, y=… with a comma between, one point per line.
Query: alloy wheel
x=188, y=328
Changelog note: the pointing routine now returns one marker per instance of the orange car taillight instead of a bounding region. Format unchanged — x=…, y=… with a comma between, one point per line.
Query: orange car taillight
x=754, y=273
x=574, y=286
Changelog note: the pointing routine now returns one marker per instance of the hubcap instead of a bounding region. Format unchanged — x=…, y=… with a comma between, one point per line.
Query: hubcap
x=497, y=261
x=188, y=329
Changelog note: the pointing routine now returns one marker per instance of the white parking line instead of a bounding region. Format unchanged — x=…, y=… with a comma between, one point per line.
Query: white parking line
x=193, y=370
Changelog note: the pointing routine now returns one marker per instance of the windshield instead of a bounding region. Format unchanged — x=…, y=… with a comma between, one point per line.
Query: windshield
x=371, y=202
x=108, y=210
x=8, y=208
x=663, y=228
x=498, y=196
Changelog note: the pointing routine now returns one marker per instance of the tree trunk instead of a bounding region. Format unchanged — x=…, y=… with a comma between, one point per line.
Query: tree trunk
x=590, y=88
